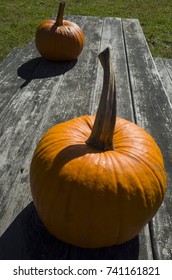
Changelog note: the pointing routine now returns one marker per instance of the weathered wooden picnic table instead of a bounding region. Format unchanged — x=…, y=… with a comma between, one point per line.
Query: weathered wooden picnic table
x=36, y=94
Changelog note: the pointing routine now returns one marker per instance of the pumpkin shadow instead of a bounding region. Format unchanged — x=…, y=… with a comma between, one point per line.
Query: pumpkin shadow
x=27, y=239
x=39, y=68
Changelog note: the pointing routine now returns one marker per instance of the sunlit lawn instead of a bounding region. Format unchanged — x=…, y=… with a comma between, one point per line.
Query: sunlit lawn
x=19, y=19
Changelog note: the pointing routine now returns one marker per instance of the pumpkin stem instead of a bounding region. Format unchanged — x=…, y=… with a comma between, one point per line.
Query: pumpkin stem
x=103, y=129
x=59, y=19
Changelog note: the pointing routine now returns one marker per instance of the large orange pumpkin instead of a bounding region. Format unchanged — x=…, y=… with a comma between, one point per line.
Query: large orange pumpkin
x=59, y=39
x=93, y=185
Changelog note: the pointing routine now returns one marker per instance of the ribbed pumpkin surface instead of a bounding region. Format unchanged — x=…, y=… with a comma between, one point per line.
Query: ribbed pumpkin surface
x=91, y=198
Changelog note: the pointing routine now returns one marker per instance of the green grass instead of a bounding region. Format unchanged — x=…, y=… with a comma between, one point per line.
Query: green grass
x=20, y=18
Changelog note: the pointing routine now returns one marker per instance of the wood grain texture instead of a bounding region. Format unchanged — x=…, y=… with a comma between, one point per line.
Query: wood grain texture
x=112, y=37
x=163, y=224
x=151, y=105
x=10, y=79
x=164, y=67
x=36, y=94
x=20, y=129
x=153, y=113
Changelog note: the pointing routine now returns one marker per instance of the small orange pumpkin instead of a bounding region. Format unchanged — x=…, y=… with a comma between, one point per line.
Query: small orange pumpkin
x=94, y=186
x=59, y=39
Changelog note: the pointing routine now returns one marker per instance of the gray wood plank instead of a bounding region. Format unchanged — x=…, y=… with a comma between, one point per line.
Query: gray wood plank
x=153, y=113
x=20, y=125
x=20, y=122
x=77, y=87
x=12, y=77
x=164, y=67
x=9, y=58
x=37, y=106
x=168, y=64
x=161, y=228
x=112, y=35
x=145, y=246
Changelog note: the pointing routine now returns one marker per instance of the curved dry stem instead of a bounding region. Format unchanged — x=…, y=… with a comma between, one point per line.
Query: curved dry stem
x=103, y=130
x=59, y=19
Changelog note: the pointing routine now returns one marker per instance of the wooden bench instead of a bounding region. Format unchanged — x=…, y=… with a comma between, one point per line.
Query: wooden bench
x=36, y=94
x=164, y=67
